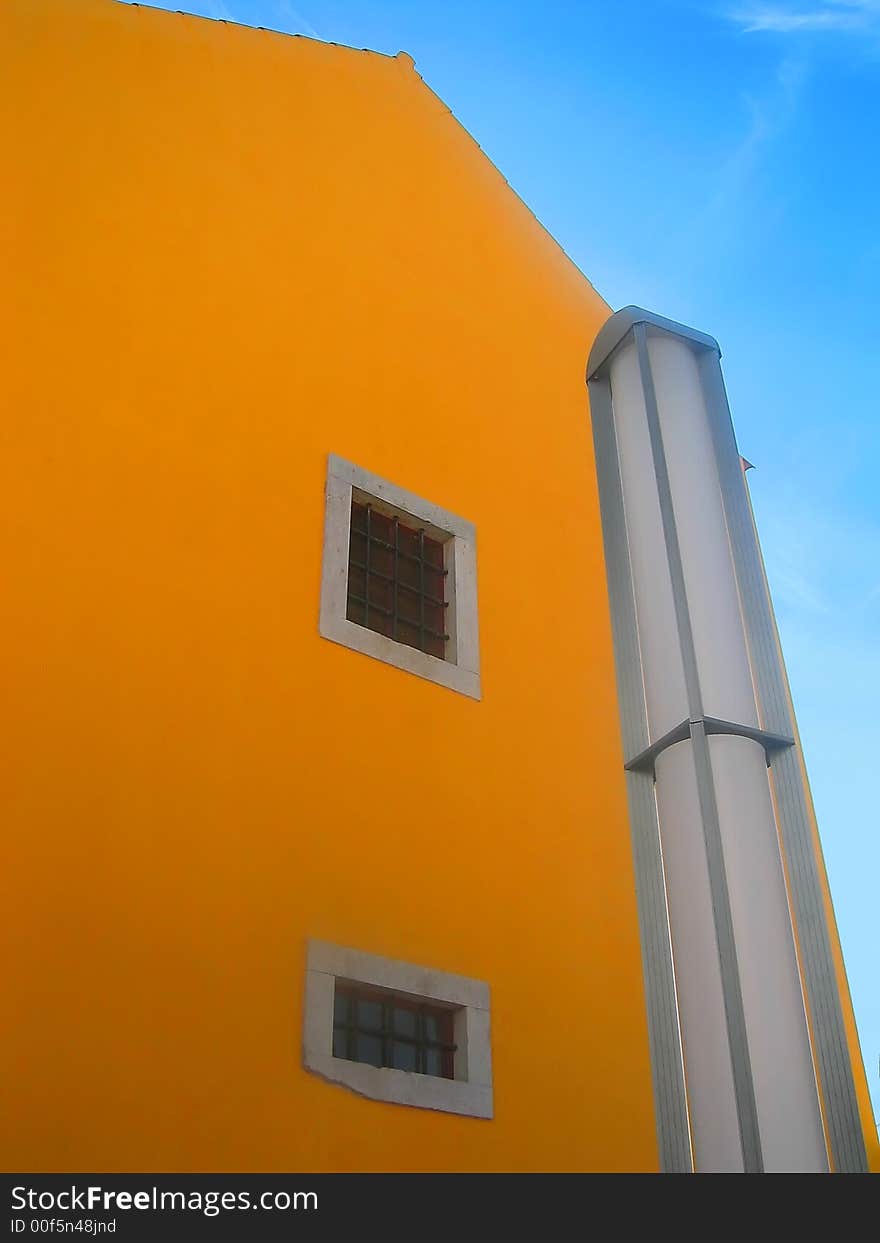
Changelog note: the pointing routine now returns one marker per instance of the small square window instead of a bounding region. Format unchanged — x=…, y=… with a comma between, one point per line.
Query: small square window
x=399, y=579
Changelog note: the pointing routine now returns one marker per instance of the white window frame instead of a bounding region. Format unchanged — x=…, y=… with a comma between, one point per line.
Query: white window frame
x=469, y=1093
x=460, y=670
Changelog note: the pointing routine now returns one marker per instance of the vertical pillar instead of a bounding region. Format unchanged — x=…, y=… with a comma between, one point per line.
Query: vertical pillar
x=750, y=1086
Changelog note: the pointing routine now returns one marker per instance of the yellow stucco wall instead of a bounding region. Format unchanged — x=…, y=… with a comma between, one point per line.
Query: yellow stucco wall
x=233, y=252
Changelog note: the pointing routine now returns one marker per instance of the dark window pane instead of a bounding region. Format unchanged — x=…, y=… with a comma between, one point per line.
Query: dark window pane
x=372, y=1025
x=380, y=622
x=435, y=583
x=434, y=553
x=403, y=1056
x=404, y=1022
x=369, y=1014
x=408, y=634
x=408, y=576
x=435, y=1027
x=356, y=581
x=398, y=595
x=381, y=593
x=408, y=541
x=435, y=618
x=368, y=1049
x=381, y=527
x=381, y=560
x=408, y=607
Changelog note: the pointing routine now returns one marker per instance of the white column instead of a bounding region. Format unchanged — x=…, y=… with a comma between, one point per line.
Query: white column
x=790, y=1123
x=712, y=596
x=765, y=971
x=662, y=670
x=707, y=1068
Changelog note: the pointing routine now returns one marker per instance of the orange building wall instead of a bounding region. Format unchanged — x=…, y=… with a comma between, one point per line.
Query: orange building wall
x=233, y=252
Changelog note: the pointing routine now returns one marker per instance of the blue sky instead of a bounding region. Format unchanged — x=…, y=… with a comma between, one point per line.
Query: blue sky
x=718, y=163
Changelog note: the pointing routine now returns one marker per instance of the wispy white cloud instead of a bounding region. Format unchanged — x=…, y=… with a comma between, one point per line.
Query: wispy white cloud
x=838, y=16
x=771, y=113
x=736, y=197
x=823, y=561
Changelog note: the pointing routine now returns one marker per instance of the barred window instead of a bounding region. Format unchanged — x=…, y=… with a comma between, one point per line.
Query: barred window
x=383, y=1029
x=397, y=580
x=396, y=1031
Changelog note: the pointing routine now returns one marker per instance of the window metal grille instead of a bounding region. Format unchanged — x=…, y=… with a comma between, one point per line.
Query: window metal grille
x=397, y=581
x=382, y=1029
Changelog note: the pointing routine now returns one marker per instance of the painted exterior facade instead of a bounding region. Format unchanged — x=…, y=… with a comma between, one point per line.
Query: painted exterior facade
x=234, y=254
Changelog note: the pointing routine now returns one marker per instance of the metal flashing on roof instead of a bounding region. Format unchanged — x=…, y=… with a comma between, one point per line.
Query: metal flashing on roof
x=618, y=327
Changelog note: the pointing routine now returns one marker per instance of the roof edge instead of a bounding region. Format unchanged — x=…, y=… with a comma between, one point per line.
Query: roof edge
x=402, y=57
x=616, y=328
